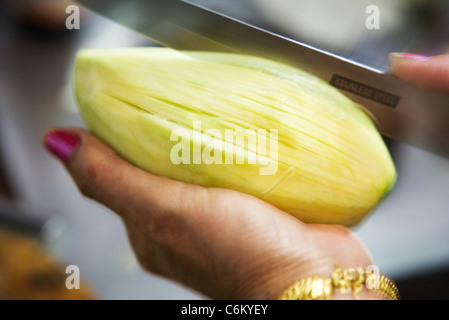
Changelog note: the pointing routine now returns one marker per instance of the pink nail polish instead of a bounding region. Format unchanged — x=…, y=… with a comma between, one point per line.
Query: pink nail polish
x=413, y=56
x=61, y=144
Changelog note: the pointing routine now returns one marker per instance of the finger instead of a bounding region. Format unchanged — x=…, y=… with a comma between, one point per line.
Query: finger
x=431, y=73
x=103, y=176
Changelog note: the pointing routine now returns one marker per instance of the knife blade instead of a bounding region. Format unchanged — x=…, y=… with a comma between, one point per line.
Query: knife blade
x=403, y=112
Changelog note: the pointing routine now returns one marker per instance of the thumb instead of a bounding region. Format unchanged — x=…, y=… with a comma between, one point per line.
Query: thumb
x=431, y=73
x=102, y=175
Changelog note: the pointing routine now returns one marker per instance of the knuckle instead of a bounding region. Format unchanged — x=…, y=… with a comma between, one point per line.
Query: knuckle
x=171, y=225
x=163, y=227
x=94, y=175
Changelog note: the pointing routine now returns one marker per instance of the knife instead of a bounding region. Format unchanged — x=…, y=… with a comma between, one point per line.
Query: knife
x=403, y=112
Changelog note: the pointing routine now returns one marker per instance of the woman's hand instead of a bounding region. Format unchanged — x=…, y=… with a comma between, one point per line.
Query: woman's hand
x=221, y=243
x=431, y=73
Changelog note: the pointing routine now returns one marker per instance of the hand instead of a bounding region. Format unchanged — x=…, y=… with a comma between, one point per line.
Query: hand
x=221, y=243
x=431, y=73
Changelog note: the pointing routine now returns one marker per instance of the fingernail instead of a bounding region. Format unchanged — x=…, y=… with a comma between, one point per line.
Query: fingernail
x=61, y=143
x=406, y=55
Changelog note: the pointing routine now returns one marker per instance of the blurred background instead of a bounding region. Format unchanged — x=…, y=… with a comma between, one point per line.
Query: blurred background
x=46, y=225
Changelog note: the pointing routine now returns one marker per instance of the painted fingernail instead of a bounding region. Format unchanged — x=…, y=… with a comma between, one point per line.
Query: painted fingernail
x=406, y=55
x=61, y=143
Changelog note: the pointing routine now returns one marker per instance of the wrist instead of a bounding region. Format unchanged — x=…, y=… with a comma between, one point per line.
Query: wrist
x=269, y=282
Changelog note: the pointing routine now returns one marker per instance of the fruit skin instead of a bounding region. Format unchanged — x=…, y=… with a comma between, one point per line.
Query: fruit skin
x=332, y=164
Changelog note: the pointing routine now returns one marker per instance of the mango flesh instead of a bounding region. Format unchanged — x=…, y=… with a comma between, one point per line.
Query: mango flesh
x=327, y=163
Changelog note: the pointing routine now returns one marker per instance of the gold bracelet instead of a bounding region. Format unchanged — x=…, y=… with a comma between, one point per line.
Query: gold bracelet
x=342, y=280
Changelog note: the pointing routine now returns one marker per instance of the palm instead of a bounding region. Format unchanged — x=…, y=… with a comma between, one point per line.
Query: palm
x=228, y=244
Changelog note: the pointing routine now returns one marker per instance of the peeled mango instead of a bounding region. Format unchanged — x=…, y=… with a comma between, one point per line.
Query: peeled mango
x=237, y=122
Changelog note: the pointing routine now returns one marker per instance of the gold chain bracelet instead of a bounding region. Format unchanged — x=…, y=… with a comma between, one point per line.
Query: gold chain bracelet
x=341, y=280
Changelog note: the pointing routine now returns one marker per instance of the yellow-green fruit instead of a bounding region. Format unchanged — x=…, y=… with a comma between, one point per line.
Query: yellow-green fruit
x=309, y=150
